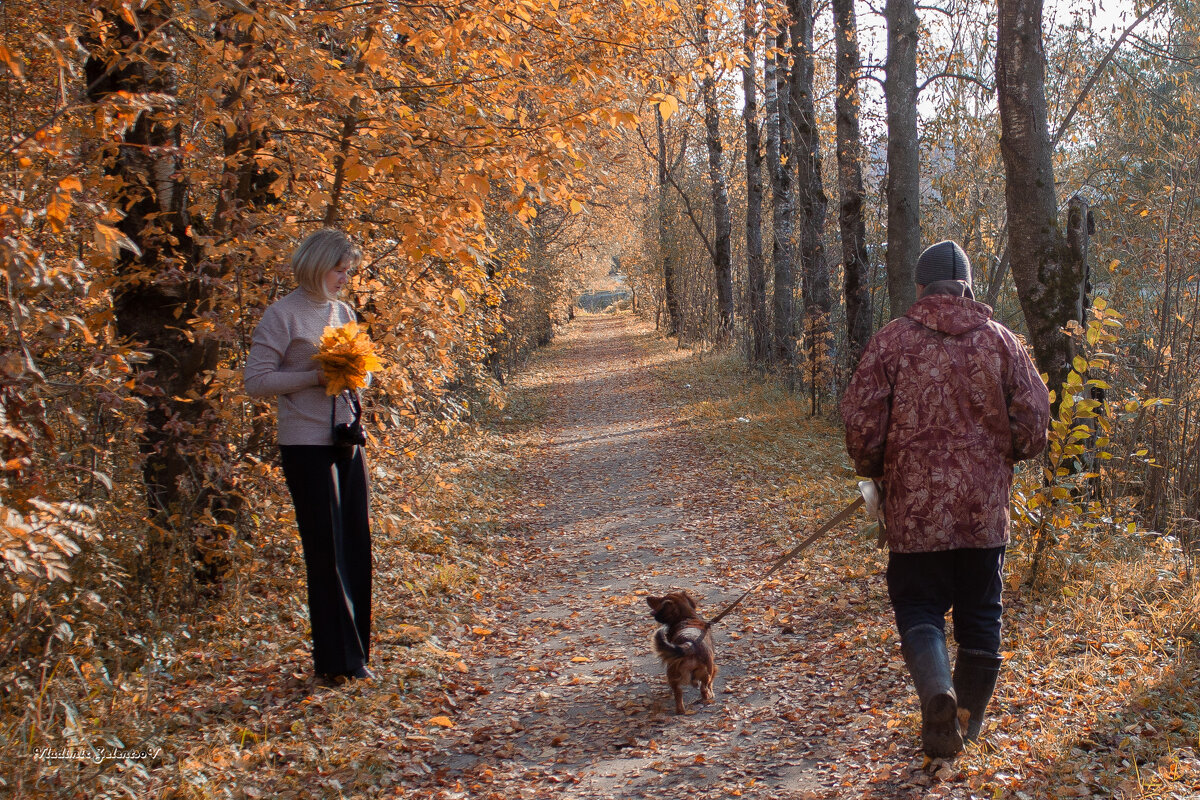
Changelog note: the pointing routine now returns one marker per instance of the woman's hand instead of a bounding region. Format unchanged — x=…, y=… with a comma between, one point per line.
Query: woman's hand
x=320, y=377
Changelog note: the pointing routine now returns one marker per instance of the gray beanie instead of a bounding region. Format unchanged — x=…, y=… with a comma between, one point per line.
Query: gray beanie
x=944, y=261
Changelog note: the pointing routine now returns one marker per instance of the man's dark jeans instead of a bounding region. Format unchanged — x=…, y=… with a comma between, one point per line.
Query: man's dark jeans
x=924, y=586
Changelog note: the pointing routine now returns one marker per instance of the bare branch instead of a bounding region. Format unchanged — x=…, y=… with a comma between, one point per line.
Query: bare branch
x=687, y=203
x=957, y=75
x=1095, y=76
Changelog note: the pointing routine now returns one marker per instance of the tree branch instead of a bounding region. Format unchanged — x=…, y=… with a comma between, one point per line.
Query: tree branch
x=687, y=203
x=960, y=76
x=1095, y=76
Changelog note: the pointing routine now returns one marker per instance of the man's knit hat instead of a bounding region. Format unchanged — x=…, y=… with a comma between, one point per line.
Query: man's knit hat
x=944, y=261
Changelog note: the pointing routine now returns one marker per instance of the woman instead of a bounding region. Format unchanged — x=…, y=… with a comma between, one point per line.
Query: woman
x=328, y=483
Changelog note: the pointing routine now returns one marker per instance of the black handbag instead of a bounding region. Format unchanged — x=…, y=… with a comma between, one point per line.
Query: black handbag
x=347, y=435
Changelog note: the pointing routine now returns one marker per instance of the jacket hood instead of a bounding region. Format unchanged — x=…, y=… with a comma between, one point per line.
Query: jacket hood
x=949, y=314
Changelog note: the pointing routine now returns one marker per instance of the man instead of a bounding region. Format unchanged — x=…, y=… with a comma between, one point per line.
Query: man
x=944, y=401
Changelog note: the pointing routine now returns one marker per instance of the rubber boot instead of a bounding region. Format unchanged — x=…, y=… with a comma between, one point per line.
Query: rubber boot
x=924, y=649
x=975, y=674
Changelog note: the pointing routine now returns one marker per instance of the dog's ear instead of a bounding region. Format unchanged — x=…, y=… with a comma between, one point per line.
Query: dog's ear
x=655, y=603
x=687, y=598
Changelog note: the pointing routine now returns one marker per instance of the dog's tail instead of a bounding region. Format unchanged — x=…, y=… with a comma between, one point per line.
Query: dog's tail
x=668, y=649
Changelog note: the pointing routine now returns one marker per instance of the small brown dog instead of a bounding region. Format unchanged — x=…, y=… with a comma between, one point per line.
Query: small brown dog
x=682, y=645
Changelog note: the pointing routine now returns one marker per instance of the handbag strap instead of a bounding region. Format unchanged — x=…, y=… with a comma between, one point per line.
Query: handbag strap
x=351, y=400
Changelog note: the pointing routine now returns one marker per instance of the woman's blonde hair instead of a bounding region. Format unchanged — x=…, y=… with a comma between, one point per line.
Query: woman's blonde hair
x=319, y=254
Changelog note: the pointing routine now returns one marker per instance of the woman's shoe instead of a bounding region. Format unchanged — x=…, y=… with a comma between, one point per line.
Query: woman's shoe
x=342, y=678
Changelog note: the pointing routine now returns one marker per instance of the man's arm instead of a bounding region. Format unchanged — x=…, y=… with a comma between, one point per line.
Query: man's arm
x=1028, y=404
x=866, y=407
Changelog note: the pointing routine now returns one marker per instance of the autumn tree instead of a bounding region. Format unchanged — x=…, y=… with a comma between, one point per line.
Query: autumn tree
x=722, y=259
x=162, y=283
x=903, y=154
x=779, y=143
x=811, y=200
x=670, y=283
x=1048, y=267
x=855, y=265
x=756, y=277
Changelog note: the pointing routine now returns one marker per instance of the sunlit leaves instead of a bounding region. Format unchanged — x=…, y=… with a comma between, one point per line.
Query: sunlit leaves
x=436, y=137
x=666, y=104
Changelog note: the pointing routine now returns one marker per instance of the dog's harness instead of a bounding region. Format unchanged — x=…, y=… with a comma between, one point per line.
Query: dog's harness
x=841, y=516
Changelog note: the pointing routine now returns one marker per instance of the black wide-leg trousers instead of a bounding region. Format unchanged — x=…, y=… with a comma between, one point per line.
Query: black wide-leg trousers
x=330, y=493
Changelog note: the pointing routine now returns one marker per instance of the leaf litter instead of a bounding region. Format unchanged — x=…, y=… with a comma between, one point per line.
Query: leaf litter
x=652, y=469
x=513, y=639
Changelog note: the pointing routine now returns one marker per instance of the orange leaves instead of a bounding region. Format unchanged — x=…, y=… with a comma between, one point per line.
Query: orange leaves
x=59, y=207
x=522, y=10
x=476, y=189
x=666, y=104
x=477, y=185
x=12, y=63
x=621, y=119
x=317, y=201
x=41, y=543
x=523, y=209
x=110, y=241
x=346, y=356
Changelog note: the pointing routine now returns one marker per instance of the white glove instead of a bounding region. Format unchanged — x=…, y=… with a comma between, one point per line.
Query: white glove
x=873, y=502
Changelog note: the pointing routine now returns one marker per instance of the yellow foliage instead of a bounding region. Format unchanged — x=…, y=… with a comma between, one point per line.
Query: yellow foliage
x=346, y=356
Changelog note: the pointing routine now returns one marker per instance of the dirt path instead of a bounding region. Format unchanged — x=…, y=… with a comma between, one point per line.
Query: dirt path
x=570, y=702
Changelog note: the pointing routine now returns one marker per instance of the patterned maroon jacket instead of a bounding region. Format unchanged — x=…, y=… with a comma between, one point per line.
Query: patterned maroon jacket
x=943, y=403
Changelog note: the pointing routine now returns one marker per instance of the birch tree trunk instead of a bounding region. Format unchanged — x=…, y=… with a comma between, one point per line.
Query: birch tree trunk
x=779, y=143
x=850, y=184
x=722, y=256
x=811, y=200
x=756, y=276
x=670, y=287
x=903, y=155
x=1048, y=268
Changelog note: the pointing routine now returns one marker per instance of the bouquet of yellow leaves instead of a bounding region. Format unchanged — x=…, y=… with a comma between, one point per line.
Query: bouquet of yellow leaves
x=346, y=356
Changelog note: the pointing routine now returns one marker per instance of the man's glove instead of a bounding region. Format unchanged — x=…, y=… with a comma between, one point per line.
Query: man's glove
x=873, y=496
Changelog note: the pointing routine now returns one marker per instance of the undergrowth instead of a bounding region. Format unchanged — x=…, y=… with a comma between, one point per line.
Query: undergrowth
x=220, y=693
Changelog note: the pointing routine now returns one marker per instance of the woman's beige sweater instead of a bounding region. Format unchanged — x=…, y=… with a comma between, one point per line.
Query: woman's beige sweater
x=280, y=365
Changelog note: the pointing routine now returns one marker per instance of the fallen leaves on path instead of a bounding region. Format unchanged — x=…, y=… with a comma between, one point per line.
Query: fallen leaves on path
x=513, y=638
x=652, y=469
